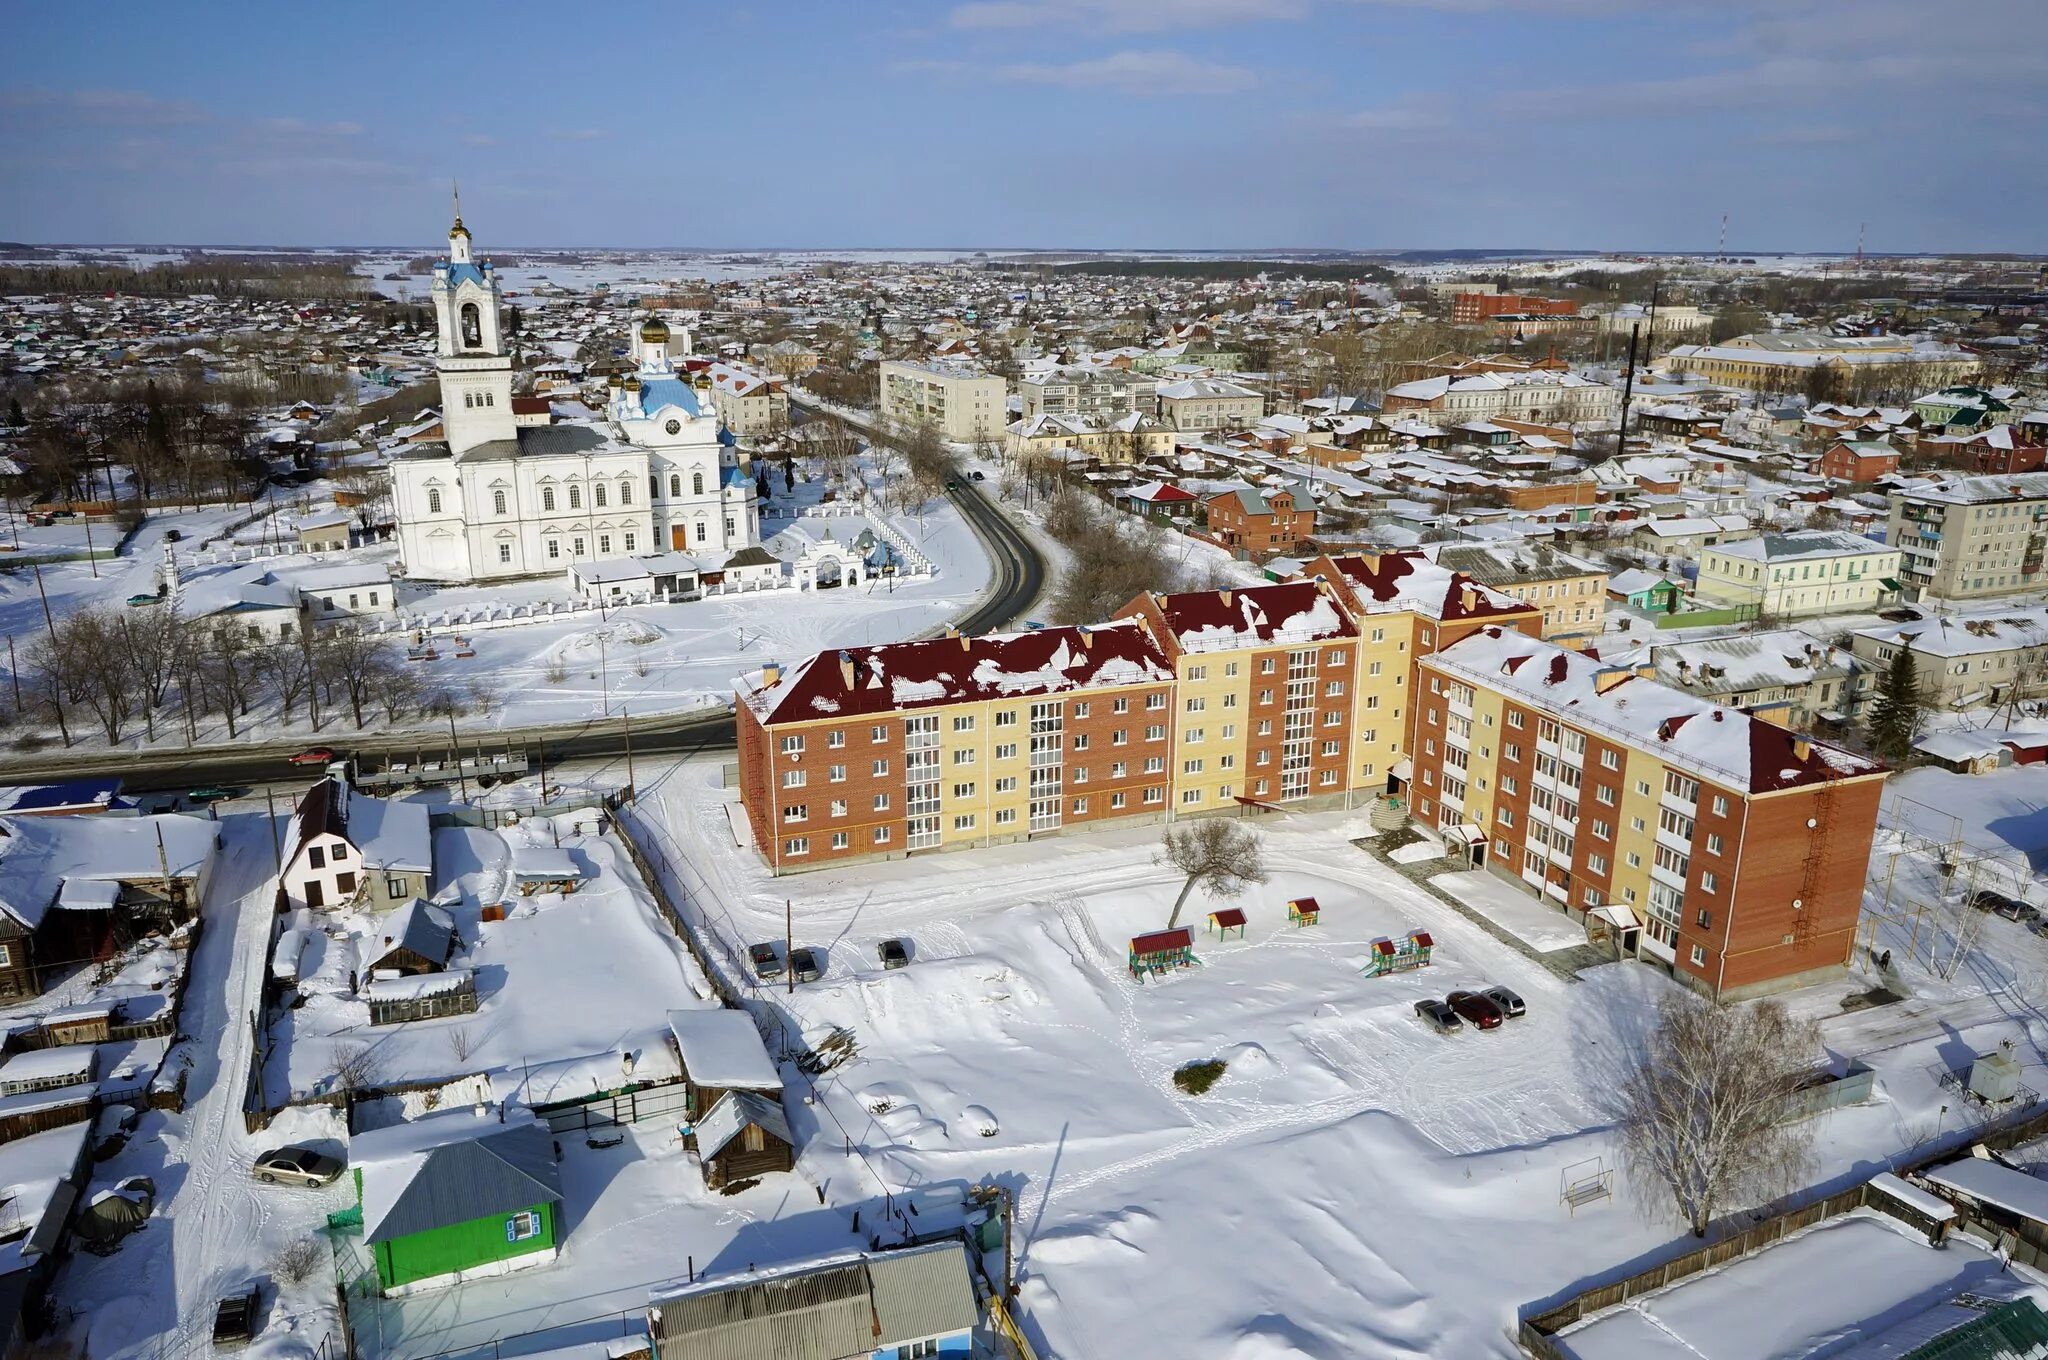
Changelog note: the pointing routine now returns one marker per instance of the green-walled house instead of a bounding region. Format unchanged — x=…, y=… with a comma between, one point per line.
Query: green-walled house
x=457, y=1195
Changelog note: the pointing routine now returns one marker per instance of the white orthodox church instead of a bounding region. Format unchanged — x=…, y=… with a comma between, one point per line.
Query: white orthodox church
x=502, y=500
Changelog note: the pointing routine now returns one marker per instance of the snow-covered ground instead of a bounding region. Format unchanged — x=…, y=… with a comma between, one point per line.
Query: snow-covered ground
x=559, y=978
x=1355, y=1185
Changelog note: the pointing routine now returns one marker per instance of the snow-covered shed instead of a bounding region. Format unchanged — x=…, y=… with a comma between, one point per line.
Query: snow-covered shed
x=721, y=1051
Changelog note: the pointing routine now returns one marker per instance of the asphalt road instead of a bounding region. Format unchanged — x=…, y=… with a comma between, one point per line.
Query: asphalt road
x=1019, y=576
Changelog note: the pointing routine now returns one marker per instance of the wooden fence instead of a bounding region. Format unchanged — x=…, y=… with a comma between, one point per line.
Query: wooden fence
x=1536, y=1331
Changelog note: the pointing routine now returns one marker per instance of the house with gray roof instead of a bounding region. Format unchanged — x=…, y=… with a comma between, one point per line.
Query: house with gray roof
x=918, y=1301
x=457, y=1196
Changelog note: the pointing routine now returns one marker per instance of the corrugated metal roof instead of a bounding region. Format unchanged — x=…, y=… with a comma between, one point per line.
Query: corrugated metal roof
x=418, y=1184
x=830, y=1311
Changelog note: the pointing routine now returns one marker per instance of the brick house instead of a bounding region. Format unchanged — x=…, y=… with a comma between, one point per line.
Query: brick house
x=1259, y=524
x=1858, y=460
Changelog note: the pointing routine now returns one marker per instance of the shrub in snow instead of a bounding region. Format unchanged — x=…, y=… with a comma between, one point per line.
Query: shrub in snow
x=1197, y=1077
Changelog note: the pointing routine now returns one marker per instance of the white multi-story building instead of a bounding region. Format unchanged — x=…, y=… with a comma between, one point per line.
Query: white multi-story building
x=959, y=400
x=1794, y=575
x=501, y=500
x=1101, y=394
x=1971, y=537
x=1540, y=395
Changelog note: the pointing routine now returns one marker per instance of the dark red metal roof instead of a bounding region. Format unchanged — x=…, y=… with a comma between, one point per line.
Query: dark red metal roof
x=1305, y=904
x=1228, y=916
x=1159, y=941
x=1255, y=613
x=861, y=681
x=1421, y=937
x=1382, y=946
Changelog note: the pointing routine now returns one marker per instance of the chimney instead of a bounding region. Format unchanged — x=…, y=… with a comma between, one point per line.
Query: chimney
x=1087, y=635
x=846, y=667
x=1719, y=714
x=1607, y=677
x=1468, y=596
x=771, y=675
x=1224, y=596
x=1802, y=749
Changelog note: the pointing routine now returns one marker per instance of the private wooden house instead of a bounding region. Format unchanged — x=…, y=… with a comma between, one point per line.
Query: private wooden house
x=417, y=938
x=720, y=1051
x=743, y=1135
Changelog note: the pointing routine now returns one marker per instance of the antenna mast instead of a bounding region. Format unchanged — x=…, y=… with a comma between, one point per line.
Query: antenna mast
x=1721, y=249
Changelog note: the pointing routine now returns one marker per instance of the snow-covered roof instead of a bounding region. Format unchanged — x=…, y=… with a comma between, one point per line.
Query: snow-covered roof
x=451, y=1168
x=40, y=855
x=2016, y=486
x=1719, y=745
x=721, y=1047
x=1407, y=580
x=920, y=674
x=1805, y=546
x=732, y=1112
x=1987, y=632
x=1282, y=614
x=390, y=833
x=1988, y=1182
x=65, y=1062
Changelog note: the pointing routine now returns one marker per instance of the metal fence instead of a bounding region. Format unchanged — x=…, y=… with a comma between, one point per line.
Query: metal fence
x=654, y=1104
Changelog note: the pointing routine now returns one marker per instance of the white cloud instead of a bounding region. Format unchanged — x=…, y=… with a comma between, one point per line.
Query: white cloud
x=1146, y=73
x=1121, y=16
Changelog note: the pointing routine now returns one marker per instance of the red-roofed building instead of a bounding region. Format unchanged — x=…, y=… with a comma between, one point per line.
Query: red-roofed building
x=1727, y=848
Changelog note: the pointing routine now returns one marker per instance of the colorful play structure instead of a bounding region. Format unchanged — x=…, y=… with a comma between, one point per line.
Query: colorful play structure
x=1399, y=956
x=1303, y=911
x=1162, y=951
x=1226, y=919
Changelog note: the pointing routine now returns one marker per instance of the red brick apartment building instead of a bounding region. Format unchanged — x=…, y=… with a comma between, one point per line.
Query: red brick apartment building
x=1469, y=309
x=1731, y=849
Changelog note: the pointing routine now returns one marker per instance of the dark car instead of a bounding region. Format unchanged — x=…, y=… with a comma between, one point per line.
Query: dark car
x=1997, y=903
x=1478, y=1011
x=767, y=962
x=212, y=793
x=1438, y=1016
x=1510, y=1003
x=174, y=535
x=295, y=1165
x=806, y=964
x=893, y=953
x=234, y=1318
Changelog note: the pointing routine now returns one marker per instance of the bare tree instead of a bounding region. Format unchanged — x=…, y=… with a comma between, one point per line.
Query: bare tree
x=296, y=1263
x=1703, y=1106
x=355, y=1070
x=350, y=662
x=461, y=1042
x=1222, y=855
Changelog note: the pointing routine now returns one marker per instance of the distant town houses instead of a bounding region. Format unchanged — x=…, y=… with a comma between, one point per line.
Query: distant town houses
x=1802, y=574
x=1782, y=361
x=1556, y=398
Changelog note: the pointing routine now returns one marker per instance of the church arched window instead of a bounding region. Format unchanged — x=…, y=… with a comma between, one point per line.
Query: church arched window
x=675, y=484
x=498, y=502
x=598, y=496
x=696, y=483
x=575, y=498
x=547, y=498
x=433, y=500
x=625, y=493
x=472, y=326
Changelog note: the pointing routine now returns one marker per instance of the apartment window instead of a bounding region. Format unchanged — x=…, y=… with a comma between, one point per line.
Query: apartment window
x=964, y=822
x=1155, y=701
x=1155, y=795
x=1155, y=764
x=1609, y=760
x=1080, y=805
x=964, y=756
x=1118, y=706
x=1198, y=672
x=796, y=812
x=793, y=779
x=1080, y=742
x=1643, y=788
x=1005, y=816
x=1006, y=750
x=1596, y=864
x=1006, y=718
x=879, y=768
x=1329, y=748
x=836, y=773
x=1707, y=882
x=1514, y=718
x=1191, y=796
x=1155, y=733
x=963, y=790
x=1713, y=843
x=1604, y=795
x=1196, y=705
x=1116, y=802
x=840, y=841
x=835, y=739
x=1120, y=737
x=878, y=733
x=1505, y=816
x=1510, y=785
x=1705, y=920
x=1191, y=766
x=963, y=722
x=1082, y=710
x=881, y=802
x=1699, y=956
x=1720, y=806
x=1266, y=666
x=838, y=807
x=1602, y=830
x=1335, y=687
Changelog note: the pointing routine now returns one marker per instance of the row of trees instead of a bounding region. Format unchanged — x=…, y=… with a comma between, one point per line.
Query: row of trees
x=174, y=436
x=113, y=670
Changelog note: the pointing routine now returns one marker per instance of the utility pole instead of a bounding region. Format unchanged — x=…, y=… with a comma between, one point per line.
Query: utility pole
x=789, y=946
x=455, y=748
x=1628, y=387
x=14, y=674
x=543, y=768
x=632, y=785
x=48, y=622
x=276, y=848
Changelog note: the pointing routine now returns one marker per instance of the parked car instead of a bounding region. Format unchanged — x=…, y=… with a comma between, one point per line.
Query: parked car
x=766, y=960
x=2011, y=908
x=296, y=1165
x=138, y=601
x=211, y=793
x=174, y=535
x=980, y=476
x=234, y=1318
x=806, y=964
x=317, y=755
x=1438, y=1016
x=1510, y=1003
x=893, y=953
x=1475, y=1010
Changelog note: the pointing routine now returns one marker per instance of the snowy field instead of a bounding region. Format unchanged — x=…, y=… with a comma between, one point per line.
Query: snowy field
x=1339, y=1126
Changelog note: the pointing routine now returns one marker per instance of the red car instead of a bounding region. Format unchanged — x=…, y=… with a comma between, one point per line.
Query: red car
x=319, y=755
x=1480, y=1012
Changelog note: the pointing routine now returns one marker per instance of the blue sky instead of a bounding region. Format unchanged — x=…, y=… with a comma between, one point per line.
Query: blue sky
x=1608, y=124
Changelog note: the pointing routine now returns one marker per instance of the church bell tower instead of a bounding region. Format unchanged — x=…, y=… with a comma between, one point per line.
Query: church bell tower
x=475, y=370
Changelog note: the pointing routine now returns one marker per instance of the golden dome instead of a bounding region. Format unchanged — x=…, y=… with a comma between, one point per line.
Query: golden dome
x=654, y=331
x=632, y=384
